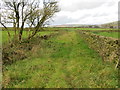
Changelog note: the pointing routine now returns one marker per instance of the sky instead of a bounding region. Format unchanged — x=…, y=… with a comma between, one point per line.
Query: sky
x=86, y=12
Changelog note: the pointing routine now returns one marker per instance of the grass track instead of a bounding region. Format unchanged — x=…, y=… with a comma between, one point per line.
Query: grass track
x=64, y=61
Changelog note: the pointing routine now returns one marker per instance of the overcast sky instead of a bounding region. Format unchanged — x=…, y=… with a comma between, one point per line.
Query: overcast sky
x=86, y=12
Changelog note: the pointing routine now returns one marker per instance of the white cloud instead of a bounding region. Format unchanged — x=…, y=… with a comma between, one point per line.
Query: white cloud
x=73, y=5
x=87, y=11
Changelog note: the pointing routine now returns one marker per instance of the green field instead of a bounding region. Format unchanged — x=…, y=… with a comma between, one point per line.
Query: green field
x=77, y=28
x=25, y=34
x=66, y=28
x=108, y=34
x=51, y=30
x=62, y=61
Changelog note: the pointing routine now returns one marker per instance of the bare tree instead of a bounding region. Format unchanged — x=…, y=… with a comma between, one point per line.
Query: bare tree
x=35, y=14
x=41, y=16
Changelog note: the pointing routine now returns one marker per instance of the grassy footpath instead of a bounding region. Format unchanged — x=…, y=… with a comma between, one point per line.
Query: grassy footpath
x=63, y=61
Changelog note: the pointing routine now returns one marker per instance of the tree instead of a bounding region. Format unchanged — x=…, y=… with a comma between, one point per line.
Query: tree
x=39, y=17
x=28, y=12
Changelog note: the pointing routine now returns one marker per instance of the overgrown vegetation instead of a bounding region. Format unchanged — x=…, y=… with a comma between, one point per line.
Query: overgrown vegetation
x=25, y=34
x=62, y=61
x=15, y=51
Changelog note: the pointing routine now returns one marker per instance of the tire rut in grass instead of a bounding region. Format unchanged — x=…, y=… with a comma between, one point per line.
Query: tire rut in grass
x=62, y=61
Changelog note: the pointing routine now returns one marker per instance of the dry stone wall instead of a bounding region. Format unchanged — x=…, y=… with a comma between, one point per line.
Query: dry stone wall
x=106, y=47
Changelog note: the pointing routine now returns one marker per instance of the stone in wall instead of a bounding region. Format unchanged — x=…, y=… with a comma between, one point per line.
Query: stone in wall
x=106, y=47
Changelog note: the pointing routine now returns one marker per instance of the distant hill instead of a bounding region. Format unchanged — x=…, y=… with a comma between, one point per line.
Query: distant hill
x=111, y=24
x=68, y=25
x=106, y=25
x=72, y=25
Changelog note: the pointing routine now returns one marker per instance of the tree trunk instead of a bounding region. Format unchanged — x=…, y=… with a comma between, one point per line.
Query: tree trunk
x=33, y=34
x=21, y=32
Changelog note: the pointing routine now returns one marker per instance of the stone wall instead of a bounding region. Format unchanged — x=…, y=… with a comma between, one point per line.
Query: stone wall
x=106, y=47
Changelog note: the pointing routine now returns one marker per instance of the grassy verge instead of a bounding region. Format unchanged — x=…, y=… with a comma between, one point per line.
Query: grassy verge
x=63, y=61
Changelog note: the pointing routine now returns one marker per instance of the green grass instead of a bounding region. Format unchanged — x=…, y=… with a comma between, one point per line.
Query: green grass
x=109, y=34
x=63, y=61
x=25, y=34
x=50, y=30
x=74, y=28
x=5, y=36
